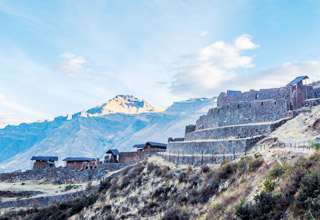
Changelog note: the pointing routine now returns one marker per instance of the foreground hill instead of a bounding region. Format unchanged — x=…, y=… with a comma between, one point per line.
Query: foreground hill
x=254, y=187
x=120, y=123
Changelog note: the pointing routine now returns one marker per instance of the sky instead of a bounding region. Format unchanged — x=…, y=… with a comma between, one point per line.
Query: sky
x=61, y=57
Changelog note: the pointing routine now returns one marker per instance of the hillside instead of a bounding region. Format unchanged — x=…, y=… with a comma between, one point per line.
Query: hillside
x=254, y=187
x=120, y=123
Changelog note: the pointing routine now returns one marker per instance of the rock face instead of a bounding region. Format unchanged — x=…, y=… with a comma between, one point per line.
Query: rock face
x=91, y=133
x=242, y=119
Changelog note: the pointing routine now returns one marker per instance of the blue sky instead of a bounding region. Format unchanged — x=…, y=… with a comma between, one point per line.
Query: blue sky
x=60, y=57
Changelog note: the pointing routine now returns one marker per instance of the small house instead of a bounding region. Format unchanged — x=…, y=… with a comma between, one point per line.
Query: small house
x=151, y=147
x=42, y=162
x=155, y=146
x=112, y=156
x=77, y=163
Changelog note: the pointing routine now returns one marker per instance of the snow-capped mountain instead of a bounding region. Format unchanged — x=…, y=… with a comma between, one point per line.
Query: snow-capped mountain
x=120, y=123
x=126, y=104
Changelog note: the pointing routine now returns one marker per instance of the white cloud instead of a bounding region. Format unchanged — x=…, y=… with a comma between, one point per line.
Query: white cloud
x=72, y=62
x=279, y=76
x=203, y=33
x=211, y=66
x=244, y=43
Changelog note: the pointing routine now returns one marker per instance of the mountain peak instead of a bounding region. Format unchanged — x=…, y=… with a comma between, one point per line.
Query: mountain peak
x=127, y=104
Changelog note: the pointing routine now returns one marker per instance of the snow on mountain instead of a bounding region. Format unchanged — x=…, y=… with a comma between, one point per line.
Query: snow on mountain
x=119, y=123
x=126, y=104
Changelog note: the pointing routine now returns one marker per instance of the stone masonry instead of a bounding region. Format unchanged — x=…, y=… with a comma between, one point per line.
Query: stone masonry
x=243, y=118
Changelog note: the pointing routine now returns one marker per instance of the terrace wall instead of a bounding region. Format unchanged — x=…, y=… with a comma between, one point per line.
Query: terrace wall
x=244, y=113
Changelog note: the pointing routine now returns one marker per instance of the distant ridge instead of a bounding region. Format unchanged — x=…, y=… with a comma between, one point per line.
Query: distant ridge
x=119, y=123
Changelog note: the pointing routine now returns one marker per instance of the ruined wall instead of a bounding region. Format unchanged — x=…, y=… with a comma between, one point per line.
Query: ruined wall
x=253, y=95
x=211, y=147
x=74, y=165
x=42, y=165
x=244, y=113
x=234, y=131
x=316, y=92
x=127, y=157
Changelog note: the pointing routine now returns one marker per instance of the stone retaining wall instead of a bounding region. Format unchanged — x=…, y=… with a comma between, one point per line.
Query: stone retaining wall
x=244, y=113
x=236, y=131
x=212, y=147
x=253, y=95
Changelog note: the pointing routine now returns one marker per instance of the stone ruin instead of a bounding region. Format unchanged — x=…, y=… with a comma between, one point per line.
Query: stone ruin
x=241, y=119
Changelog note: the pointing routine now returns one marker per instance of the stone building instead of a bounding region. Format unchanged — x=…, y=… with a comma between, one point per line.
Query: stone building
x=143, y=151
x=42, y=162
x=77, y=163
x=112, y=156
x=243, y=118
x=154, y=147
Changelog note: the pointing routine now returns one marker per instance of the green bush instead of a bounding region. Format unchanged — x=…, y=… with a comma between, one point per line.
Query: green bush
x=276, y=172
x=315, y=145
x=255, y=164
x=68, y=187
x=269, y=185
x=264, y=207
x=309, y=195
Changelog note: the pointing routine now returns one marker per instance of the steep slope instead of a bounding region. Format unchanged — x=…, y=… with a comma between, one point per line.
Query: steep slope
x=90, y=133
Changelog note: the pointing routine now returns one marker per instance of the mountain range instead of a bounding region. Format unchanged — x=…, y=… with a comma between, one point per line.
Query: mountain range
x=119, y=123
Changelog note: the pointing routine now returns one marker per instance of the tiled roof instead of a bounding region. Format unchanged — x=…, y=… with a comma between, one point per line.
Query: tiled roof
x=113, y=151
x=45, y=158
x=297, y=79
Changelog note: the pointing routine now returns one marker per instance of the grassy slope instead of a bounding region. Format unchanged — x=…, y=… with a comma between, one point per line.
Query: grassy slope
x=152, y=190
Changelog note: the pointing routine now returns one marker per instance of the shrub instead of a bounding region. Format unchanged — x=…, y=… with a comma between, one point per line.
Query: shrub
x=204, y=168
x=315, y=146
x=276, y=171
x=106, y=208
x=134, y=172
x=309, y=195
x=158, y=171
x=175, y=213
x=243, y=210
x=242, y=166
x=269, y=185
x=68, y=187
x=105, y=185
x=264, y=207
x=125, y=182
x=150, y=167
x=65, y=209
x=226, y=170
x=255, y=164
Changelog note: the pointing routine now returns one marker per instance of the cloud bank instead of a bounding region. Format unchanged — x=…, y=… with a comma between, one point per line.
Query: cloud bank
x=211, y=66
x=222, y=66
